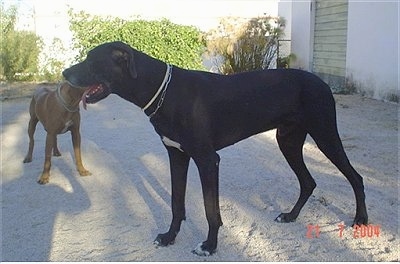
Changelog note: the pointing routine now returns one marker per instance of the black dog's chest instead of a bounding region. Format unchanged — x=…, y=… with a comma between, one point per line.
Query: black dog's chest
x=166, y=132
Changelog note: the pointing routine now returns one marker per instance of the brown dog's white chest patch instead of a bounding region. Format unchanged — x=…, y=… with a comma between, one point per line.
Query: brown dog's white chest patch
x=67, y=125
x=170, y=143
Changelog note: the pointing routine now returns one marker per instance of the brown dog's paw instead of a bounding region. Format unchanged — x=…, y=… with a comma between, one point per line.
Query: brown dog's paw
x=84, y=172
x=43, y=180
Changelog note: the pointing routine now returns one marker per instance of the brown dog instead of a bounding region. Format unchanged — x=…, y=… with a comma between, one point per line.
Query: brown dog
x=58, y=111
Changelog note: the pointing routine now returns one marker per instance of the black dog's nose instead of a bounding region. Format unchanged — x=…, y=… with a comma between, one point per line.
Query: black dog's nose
x=65, y=73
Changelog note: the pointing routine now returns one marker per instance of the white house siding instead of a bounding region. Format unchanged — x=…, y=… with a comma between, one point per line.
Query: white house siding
x=330, y=37
x=373, y=48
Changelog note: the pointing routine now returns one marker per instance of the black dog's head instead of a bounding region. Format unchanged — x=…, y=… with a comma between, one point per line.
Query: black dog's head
x=106, y=68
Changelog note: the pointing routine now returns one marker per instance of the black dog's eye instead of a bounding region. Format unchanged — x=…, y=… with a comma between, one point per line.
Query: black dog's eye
x=121, y=61
x=118, y=56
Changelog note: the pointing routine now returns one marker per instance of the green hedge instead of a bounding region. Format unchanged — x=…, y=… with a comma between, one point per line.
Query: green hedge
x=162, y=39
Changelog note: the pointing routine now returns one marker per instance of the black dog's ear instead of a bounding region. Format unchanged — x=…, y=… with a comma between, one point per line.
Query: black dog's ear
x=125, y=52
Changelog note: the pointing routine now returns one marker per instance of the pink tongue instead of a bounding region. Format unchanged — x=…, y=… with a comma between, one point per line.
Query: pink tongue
x=84, y=99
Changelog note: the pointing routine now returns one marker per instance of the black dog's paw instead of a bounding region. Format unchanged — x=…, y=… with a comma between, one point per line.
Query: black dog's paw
x=27, y=159
x=164, y=240
x=204, y=249
x=360, y=220
x=285, y=218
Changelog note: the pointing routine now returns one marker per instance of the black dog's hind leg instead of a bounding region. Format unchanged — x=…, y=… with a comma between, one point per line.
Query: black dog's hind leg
x=328, y=141
x=179, y=163
x=291, y=140
x=208, y=166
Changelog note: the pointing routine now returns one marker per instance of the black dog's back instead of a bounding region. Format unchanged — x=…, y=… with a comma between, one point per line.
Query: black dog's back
x=245, y=104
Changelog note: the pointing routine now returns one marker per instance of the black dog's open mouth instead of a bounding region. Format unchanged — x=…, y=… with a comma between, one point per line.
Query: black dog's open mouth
x=95, y=93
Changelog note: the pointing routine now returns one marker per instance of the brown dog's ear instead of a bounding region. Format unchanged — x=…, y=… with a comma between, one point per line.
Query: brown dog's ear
x=125, y=52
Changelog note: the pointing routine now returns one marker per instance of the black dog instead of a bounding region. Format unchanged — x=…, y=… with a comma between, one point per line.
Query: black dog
x=197, y=113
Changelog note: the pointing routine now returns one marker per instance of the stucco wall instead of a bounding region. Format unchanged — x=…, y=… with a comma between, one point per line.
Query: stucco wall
x=301, y=30
x=373, y=49
x=285, y=11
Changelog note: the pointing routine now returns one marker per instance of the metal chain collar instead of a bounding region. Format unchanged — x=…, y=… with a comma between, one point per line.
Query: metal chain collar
x=163, y=93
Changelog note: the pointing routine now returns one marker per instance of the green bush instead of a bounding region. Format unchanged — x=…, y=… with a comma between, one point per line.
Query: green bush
x=176, y=44
x=19, y=54
x=239, y=45
x=52, y=63
x=284, y=62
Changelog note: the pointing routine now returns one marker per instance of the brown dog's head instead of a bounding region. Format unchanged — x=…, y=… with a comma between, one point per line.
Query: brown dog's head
x=107, y=68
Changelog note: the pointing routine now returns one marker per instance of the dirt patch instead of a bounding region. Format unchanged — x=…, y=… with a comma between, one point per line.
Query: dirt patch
x=115, y=214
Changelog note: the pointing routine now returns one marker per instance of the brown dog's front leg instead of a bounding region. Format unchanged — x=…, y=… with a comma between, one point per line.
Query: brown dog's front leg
x=44, y=178
x=76, y=142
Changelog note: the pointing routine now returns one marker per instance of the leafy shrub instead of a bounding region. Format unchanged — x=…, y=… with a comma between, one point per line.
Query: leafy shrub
x=164, y=40
x=284, y=62
x=53, y=62
x=239, y=45
x=19, y=54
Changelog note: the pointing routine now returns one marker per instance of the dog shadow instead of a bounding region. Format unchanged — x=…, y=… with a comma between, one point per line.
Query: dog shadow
x=30, y=212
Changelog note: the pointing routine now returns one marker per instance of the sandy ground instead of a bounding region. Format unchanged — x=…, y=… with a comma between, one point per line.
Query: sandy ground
x=115, y=214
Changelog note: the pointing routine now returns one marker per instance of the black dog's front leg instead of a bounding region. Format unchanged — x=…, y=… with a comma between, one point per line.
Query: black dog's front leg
x=209, y=169
x=179, y=163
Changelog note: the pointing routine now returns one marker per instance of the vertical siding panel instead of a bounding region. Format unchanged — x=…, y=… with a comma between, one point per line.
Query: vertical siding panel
x=330, y=42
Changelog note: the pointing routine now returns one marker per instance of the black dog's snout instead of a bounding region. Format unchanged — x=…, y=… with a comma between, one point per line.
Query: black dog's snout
x=66, y=73
x=79, y=75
